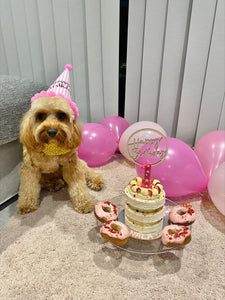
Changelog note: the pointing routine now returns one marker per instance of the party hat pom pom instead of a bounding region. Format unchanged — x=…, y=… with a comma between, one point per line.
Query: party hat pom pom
x=68, y=67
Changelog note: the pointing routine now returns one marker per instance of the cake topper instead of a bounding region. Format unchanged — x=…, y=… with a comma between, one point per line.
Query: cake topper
x=147, y=147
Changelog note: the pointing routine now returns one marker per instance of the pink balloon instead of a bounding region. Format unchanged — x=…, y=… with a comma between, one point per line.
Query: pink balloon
x=117, y=125
x=98, y=144
x=216, y=188
x=142, y=135
x=210, y=150
x=180, y=172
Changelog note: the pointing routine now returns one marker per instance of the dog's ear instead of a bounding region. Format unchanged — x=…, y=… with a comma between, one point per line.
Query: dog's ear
x=26, y=134
x=77, y=133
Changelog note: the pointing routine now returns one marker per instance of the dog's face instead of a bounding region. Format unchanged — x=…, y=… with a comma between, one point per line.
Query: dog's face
x=50, y=120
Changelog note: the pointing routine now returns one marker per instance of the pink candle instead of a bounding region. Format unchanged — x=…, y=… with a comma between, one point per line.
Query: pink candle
x=147, y=174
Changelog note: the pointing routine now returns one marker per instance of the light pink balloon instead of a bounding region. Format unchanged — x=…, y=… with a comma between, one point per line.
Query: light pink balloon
x=142, y=135
x=117, y=125
x=210, y=150
x=98, y=144
x=180, y=172
x=216, y=188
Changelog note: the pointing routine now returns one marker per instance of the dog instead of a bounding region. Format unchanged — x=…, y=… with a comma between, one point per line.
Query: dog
x=50, y=136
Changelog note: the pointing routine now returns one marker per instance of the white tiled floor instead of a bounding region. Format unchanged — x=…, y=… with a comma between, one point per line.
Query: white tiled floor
x=7, y=212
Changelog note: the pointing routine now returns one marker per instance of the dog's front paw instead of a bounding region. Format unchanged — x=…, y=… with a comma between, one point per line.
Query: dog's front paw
x=87, y=208
x=25, y=208
x=83, y=204
x=96, y=182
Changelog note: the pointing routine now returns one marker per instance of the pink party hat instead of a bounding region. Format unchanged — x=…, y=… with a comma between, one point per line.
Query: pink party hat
x=60, y=87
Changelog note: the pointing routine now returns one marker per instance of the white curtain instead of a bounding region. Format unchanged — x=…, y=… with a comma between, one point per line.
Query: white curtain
x=38, y=37
x=175, y=66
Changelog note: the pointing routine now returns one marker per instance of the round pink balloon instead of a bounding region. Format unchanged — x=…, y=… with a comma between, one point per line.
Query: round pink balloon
x=180, y=172
x=216, y=188
x=210, y=150
x=142, y=135
x=117, y=125
x=98, y=144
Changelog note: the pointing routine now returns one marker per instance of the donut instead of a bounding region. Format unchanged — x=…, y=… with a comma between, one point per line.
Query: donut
x=115, y=232
x=175, y=235
x=105, y=211
x=182, y=214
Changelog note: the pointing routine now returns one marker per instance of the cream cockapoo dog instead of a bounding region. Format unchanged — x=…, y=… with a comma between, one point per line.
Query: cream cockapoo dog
x=50, y=136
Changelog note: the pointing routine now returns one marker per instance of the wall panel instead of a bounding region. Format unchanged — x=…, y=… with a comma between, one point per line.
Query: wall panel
x=155, y=17
x=213, y=91
x=199, y=40
x=38, y=37
x=177, y=77
x=9, y=39
x=176, y=31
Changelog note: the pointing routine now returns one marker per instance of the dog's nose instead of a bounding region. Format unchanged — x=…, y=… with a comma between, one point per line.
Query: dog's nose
x=52, y=132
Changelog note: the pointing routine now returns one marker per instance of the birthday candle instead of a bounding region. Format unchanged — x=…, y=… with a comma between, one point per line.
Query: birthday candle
x=147, y=174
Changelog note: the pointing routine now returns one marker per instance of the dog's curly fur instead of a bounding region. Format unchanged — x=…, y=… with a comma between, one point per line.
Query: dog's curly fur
x=39, y=170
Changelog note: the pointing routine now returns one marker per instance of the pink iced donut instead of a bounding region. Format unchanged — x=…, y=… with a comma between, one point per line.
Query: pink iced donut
x=116, y=232
x=105, y=211
x=182, y=214
x=175, y=235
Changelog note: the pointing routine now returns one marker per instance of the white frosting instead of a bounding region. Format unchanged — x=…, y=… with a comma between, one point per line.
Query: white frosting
x=134, y=189
x=143, y=216
x=154, y=229
x=144, y=207
x=139, y=203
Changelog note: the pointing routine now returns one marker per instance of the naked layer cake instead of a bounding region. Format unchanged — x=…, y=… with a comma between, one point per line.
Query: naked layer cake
x=144, y=208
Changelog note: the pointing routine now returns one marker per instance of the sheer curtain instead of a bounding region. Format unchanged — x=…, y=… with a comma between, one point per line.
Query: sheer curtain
x=38, y=37
x=175, y=66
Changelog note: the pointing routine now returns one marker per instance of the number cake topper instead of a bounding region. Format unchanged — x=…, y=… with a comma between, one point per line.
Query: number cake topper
x=147, y=147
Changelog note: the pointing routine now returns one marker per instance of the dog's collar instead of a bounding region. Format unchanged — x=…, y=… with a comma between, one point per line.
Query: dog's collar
x=54, y=149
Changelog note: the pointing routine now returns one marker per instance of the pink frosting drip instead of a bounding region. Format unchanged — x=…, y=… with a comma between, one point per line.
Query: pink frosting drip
x=187, y=217
x=53, y=94
x=107, y=216
x=177, y=238
x=122, y=234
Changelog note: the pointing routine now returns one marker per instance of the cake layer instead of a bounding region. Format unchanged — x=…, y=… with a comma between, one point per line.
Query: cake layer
x=144, y=207
x=144, y=204
x=136, y=190
x=144, y=216
x=153, y=229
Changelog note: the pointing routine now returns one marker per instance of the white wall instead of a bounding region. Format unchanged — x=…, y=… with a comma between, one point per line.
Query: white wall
x=175, y=66
x=38, y=37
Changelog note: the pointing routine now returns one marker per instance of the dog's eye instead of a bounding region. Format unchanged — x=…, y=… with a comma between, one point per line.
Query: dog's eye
x=41, y=116
x=61, y=116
